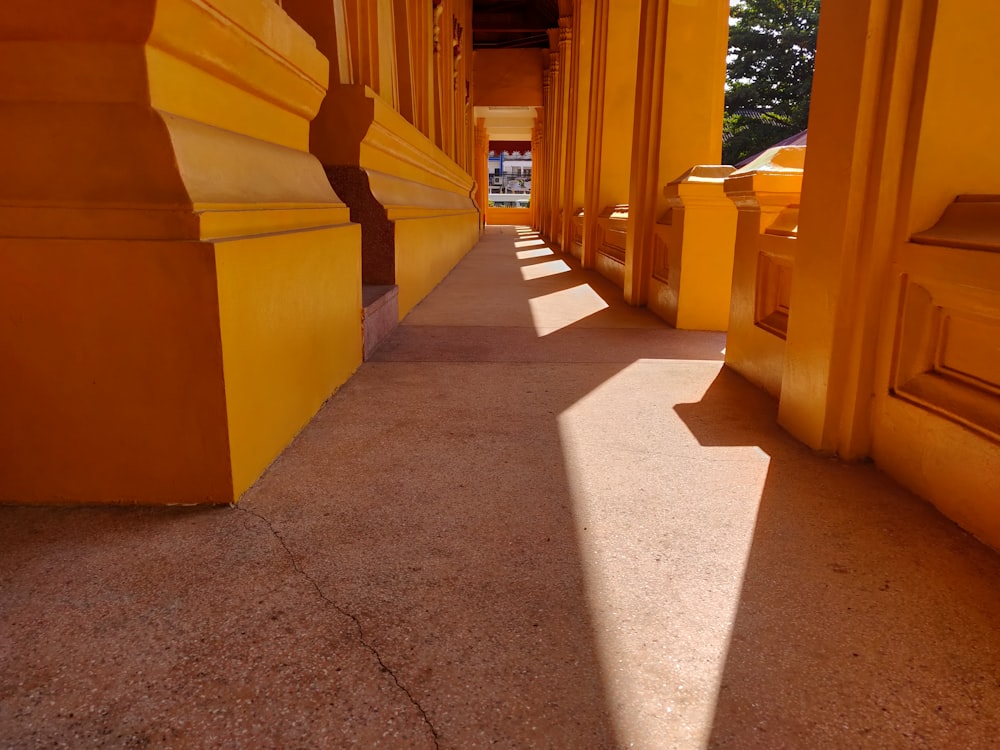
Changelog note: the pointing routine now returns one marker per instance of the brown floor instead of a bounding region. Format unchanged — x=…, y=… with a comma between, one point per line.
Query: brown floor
x=539, y=519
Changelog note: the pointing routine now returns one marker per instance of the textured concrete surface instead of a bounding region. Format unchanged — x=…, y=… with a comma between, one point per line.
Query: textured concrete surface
x=537, y=519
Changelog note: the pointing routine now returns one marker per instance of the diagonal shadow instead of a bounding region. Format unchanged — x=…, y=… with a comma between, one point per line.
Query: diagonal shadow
x=864, y=618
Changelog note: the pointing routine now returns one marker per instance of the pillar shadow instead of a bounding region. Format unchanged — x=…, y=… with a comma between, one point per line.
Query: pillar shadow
x=865, y=619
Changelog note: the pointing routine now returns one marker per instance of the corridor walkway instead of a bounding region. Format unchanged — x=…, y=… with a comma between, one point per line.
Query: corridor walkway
x=538, y=519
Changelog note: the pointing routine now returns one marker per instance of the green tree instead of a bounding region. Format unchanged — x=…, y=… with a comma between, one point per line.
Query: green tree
x=772, y=46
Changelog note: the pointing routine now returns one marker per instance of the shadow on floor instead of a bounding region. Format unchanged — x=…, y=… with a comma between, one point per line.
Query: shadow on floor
x=865, y=619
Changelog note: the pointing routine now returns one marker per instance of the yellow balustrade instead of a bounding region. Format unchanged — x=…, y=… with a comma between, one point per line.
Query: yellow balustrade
x=609, y=243
x=766, y=194
x=692, y=269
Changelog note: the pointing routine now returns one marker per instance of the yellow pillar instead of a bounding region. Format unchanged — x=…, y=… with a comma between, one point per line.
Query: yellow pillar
x=680, y=76
x=766, y=194
x=609, y=122
x=179, y=289
x=537, y=172
x=578, y=109
x=834, y=315
x=543, y=169
x=482, y=157
x=554, y=130
x=560, y=212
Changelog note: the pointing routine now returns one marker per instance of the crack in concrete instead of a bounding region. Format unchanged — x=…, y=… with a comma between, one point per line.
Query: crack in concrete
x=353, y=618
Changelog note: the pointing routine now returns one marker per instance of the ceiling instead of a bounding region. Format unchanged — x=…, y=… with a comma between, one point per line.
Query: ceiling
x=508, y=123
x=500, y=24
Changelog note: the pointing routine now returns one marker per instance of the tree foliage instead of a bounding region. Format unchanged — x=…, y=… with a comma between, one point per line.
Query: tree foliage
x=772, y=46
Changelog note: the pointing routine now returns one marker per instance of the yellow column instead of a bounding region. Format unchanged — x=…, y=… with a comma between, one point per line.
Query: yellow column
x=609, y=119
x=680, y=76
x=578, y=109
x=482, y=169
x=560, y=212
x=537, y=173
x=440, y=51
x=180, y=283
x=558, y=74
x=544, y=169
x=858, y=128
x=555, y=144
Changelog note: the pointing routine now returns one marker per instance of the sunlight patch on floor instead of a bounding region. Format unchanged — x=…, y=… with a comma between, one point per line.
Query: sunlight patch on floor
x=665, y=527
x=529, y=254
x=529, y=243
x=555, y=311
x=541, y=270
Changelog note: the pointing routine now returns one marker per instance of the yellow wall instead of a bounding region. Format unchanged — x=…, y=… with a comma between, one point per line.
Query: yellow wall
x=958, y=120
x=291, y=333
x=427, y=249
x=111, y=389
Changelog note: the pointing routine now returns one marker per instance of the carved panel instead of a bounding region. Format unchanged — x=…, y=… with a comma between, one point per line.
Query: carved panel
x=661, y=247
x=612, y=231
x=948, y=352
x=773, y=291
x=576, y=225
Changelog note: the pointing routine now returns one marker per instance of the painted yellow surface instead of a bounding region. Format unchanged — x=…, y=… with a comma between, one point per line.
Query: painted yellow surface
x=111, y=389
x=426, y=194
x=891, y=349
x=762, y=191
x=181, y=287
x=937, y=430
x=291, y=334
x=845, y=103
x=427, y=249
x=678, y=116
x=692, y=269
x=579, y=107
x=955, y=116
x=609, y=127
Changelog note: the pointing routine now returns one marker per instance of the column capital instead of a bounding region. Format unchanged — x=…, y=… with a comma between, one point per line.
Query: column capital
x=565, y=29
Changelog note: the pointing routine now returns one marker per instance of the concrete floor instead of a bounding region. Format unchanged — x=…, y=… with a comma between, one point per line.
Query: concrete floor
x=538, y=519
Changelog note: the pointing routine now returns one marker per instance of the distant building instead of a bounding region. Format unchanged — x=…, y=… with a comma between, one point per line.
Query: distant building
x=510, y=172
